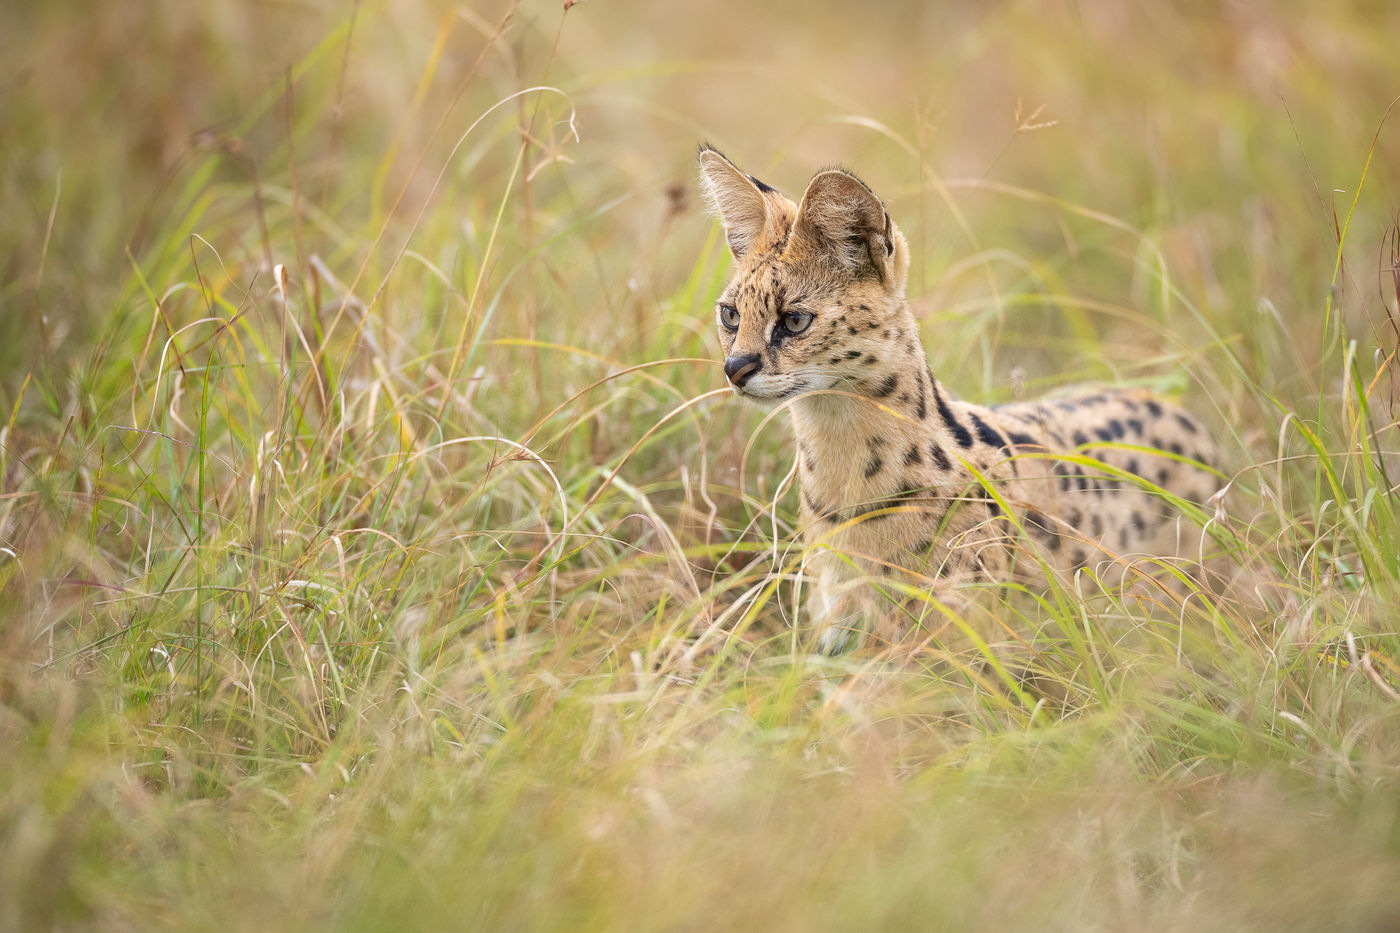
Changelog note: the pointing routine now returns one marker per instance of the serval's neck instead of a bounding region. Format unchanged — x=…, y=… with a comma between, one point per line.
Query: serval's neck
x=869, y=438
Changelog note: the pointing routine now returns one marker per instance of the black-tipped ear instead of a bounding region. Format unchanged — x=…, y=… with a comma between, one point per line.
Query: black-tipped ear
x=737, y=198
x=842, y=217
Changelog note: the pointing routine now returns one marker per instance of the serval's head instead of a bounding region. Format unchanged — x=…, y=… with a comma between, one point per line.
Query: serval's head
x=817, y=297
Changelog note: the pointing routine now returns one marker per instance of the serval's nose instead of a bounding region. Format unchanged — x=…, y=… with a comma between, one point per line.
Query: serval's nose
x=740, y=368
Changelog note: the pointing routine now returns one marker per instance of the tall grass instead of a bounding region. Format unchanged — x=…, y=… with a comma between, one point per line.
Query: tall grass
x=377, y=548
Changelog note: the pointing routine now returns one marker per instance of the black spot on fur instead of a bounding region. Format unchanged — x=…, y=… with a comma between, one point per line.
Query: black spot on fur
x=1041, y=528
x=1135, y=425
x=874, y=465
x=940, y=459
x=1022, y=439
x=853, y=354
x=1186, y=423
x=886, y=386
x=1115, y=427
x=1132, y=466
x=1103, y=434
x=922, y=410
x=912, y=456
x=986, y=433
x=960, y=433
x=870, y=361
x=1080, y=438
x=1163, y=475
x=1154, y=409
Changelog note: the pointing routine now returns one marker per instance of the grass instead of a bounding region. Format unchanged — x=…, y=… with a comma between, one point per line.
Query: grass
x=377, y=550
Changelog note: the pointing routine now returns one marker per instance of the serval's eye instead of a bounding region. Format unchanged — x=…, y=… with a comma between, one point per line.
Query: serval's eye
x=795, y=322
x=729, y=316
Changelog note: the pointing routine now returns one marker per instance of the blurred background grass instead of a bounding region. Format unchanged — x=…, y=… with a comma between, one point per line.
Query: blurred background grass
x=361, y=505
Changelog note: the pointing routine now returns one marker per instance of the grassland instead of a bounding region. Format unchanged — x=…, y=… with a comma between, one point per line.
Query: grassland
x=377, y=552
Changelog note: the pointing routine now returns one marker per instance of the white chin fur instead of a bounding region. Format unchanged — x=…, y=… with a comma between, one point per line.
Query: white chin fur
x=764, y=390
x=765, y=401
x=770, y=390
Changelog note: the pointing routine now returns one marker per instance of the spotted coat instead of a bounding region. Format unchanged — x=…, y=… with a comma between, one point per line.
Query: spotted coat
x=898, y=478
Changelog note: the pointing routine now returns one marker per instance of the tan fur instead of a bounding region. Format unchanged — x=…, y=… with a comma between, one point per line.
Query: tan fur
x=889, y=460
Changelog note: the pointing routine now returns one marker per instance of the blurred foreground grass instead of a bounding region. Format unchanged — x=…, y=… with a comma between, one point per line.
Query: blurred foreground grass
x=374, y=553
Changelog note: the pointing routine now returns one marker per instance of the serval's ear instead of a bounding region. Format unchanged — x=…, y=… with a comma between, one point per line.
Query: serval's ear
x=739, y=199
x=841, y=217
